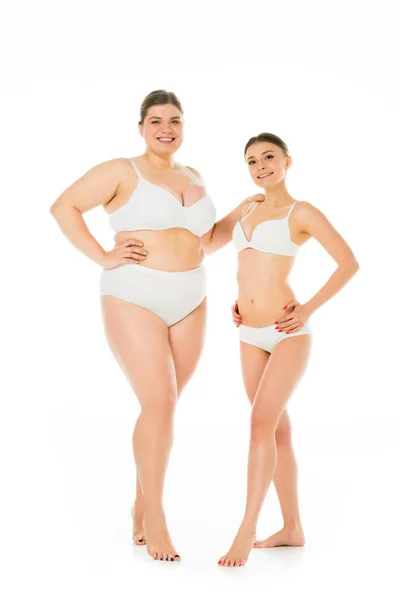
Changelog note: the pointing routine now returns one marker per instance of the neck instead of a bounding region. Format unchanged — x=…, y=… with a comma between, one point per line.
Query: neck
x=163, y=161
x=276, y=196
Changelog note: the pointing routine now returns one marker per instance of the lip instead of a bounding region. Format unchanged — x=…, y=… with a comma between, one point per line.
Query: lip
x=166, y=139
x=264, y=175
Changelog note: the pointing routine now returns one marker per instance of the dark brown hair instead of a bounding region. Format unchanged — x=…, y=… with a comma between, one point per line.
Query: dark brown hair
x=268, y=137
x=158, y=97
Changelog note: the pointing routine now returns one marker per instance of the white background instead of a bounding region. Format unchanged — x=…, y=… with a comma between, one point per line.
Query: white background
x=323, y=76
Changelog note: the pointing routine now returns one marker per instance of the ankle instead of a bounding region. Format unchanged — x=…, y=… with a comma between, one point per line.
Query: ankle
x=292, y=523
x=154, y=513
x=249, y=526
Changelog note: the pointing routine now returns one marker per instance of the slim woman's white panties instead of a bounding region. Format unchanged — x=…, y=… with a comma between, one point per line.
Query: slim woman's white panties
x=267, y=337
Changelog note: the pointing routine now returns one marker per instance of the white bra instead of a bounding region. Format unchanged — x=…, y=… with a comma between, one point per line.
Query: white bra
x=272, y=235
x=151, y=206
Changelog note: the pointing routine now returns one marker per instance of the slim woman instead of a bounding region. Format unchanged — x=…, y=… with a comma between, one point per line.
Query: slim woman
x=275, y=338
x=152, y=287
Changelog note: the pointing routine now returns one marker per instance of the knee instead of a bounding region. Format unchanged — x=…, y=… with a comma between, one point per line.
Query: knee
x=262, y=425
x=160, y=409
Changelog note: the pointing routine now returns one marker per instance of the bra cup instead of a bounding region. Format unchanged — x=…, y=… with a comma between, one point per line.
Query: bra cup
x=201, y=216
x=156, y=208
x=238, y=238
x=271, y=236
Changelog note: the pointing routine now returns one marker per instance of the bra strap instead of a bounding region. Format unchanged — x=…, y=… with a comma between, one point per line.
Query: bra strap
x=138, y=173
x=291, y=208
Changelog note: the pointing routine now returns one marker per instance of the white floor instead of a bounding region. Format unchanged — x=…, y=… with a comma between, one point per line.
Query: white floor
x=68, y=528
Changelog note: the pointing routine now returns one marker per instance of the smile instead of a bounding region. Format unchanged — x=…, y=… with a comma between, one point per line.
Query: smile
x=166, y=140
x=265, y=175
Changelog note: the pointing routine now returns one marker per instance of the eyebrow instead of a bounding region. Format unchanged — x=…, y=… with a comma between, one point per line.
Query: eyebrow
x=266, y=152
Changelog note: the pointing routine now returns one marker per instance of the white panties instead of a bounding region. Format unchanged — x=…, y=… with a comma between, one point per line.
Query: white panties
x=171, y=295
x=267, y=337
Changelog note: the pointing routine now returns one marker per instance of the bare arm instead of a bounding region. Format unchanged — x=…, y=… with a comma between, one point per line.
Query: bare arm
x=221, y=232
x=315, y=223
x=96, y=187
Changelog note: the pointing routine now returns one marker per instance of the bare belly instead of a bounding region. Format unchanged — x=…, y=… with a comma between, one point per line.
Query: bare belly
x=263, y=287
x=168, y=250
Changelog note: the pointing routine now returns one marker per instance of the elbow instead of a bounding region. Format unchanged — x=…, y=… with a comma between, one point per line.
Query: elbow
x=53, y=210
x=351, y=267
x=355, y=266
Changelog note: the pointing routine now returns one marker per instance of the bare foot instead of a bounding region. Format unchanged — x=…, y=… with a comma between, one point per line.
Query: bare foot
x=159, y=544
x=240, y=549
x=137, y=513
x=288, y=536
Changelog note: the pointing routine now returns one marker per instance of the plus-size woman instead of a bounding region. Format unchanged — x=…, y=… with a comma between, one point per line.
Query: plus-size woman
x=275, y=338
x=152, y=287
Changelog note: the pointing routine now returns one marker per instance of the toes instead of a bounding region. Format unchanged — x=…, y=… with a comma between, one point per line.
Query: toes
x=139, y=540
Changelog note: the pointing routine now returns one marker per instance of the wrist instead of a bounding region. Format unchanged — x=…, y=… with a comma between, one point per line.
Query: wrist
x=309, y=307
x=102, y=259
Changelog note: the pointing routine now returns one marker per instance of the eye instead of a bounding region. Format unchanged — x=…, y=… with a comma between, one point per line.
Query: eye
x=251, y=162
x=155, y=122
x=269, y=156
x=176, y=122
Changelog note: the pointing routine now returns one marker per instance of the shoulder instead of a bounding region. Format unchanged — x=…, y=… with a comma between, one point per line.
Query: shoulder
x=251, y=202
x=113, y=167
x=304, y=209
x=308, y=217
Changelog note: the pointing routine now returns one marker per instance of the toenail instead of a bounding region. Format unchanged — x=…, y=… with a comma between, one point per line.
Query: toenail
x=161, y=559
x=172, y=559
x=177, y=556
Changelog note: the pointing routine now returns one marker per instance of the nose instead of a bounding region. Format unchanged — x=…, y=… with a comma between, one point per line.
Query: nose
x=167, y=129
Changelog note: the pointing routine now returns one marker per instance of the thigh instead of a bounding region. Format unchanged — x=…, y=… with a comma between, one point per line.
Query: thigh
x=139, y=341
x=186, y=339
x=253, y=360
x=283, y=372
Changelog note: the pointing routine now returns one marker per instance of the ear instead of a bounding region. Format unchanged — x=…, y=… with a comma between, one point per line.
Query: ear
x=288, y=162
x=140, y=127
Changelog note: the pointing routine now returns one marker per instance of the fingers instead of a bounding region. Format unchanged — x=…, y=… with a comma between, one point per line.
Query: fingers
x=237, y=319
x=296, y=328
x=290, y=327
x=135, y=254
x=134, y=246
x=132, y=242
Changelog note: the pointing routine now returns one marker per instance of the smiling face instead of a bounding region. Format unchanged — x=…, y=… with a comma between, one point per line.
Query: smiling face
x=162, y=128
x=267, y=164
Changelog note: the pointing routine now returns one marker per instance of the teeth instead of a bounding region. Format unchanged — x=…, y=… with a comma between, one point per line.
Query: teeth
x=265, y=175
x=165, y=139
